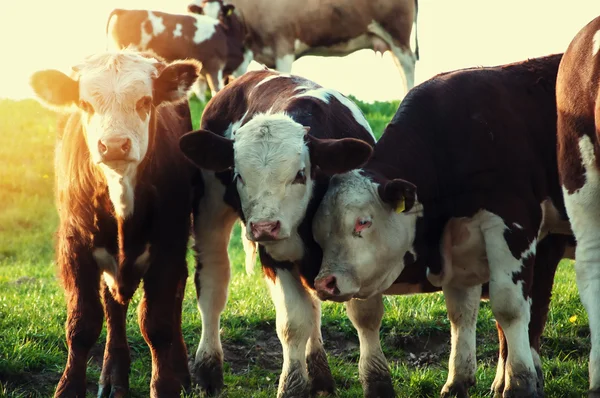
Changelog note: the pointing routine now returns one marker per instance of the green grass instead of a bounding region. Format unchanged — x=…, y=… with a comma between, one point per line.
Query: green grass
x=415, y=331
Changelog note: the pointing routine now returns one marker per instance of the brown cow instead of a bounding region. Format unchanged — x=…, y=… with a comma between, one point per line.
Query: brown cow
x=124, y=199
x=216, y=43
x=578, y=102
x=282, y=31
x=462, y=190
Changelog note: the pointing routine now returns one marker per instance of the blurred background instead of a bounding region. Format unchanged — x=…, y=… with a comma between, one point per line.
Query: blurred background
x=452, y=34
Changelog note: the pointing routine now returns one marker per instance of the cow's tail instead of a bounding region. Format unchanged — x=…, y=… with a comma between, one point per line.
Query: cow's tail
x=113, y=13
x=416, y=30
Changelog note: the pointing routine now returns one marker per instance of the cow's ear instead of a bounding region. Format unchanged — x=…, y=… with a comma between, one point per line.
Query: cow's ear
x=55, y=89
x=227, y=9
x=208, y=150
x=399, y=194
x=175, y=80
x=194, y=9
x=335, y=156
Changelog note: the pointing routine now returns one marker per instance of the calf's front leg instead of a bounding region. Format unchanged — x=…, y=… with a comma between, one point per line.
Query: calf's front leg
x=366, y=316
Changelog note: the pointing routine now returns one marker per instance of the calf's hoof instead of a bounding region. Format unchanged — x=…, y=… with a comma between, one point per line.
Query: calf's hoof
x=457, y=388
x=207, y=373
x=319, y=374
x=521, y=386
x=293, y=384
x=379, y=389
x=108, y=391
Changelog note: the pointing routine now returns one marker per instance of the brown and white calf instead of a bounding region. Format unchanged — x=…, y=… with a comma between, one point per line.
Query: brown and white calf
x=283, y=31
x=271, y=138
x=123, y=192
x=216, y=43
x=578, y=103
x=479, y=147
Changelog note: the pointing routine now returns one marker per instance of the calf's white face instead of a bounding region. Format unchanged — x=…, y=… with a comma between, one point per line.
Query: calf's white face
x=273, y=159
x=115, y=94
x=365, y=229
x=272, y=170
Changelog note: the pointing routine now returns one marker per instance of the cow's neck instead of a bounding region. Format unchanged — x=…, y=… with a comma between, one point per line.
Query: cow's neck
x=290, y=249
x=121, y=189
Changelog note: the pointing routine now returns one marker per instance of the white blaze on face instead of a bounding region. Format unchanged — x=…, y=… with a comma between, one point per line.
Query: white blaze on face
x=115, y=92
x=368, y=262
x=273, y=167
x=212, y=9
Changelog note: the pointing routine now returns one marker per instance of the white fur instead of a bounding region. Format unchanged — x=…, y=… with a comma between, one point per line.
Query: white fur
x=295, y=319
x=366, y=317
x=269, y=151
x=596, y=43
x=157, y=28
x=351, y=259
x=211, y=9
x=583, y=209
x=271, y=77
x=177, y=31
x=463, y=305
x=300, y=47
x=107, y=265
x=511, y=309
x=113, y=93
x=212, y=235
x=205, y=28
x=284, y=63
x=248, y=57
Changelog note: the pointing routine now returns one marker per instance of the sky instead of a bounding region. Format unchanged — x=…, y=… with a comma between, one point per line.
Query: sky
x=452, y=34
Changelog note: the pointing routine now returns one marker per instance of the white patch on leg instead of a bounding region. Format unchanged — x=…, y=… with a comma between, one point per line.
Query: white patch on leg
x=212, y=234
x=583, y=209
x=463, y=306
x=107, y=265
x=596, y=43
x=366, y=317
x=250, y=250
x=284, y=63
x=295, y=322
x=510, y=308
x=143, y=260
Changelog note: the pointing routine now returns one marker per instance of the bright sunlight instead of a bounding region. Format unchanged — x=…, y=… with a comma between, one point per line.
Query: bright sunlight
x=452, y=34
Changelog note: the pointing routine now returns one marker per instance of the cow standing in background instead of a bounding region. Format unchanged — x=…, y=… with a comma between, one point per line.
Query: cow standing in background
x=479, y=147
x=124, y=196
x=216, y=43
x=270, y=139
x=282, y=31
x=578, y=102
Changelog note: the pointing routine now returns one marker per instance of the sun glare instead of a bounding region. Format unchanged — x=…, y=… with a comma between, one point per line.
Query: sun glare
x=452, y=34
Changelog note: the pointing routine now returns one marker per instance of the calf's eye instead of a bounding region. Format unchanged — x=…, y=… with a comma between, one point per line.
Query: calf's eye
x=300, y=177
x=360, y=225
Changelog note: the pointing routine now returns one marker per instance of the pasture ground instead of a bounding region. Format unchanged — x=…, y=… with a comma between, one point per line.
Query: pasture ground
x=415, y=331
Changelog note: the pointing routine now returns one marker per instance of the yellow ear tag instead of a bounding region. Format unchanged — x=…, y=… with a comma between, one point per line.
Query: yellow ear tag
x=400, y=206
x=229, y=12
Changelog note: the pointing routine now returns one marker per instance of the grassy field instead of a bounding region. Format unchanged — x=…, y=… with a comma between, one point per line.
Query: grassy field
x=415, y=331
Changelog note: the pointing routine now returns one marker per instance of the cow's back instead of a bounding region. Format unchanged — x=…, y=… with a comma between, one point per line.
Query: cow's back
x=479, y=133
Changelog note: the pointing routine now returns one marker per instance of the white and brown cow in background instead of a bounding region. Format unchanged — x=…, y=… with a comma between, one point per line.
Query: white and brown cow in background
x=479, y=147
x=279, y=32
x=271, y=139
x=216, y=42
x=578, y=103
